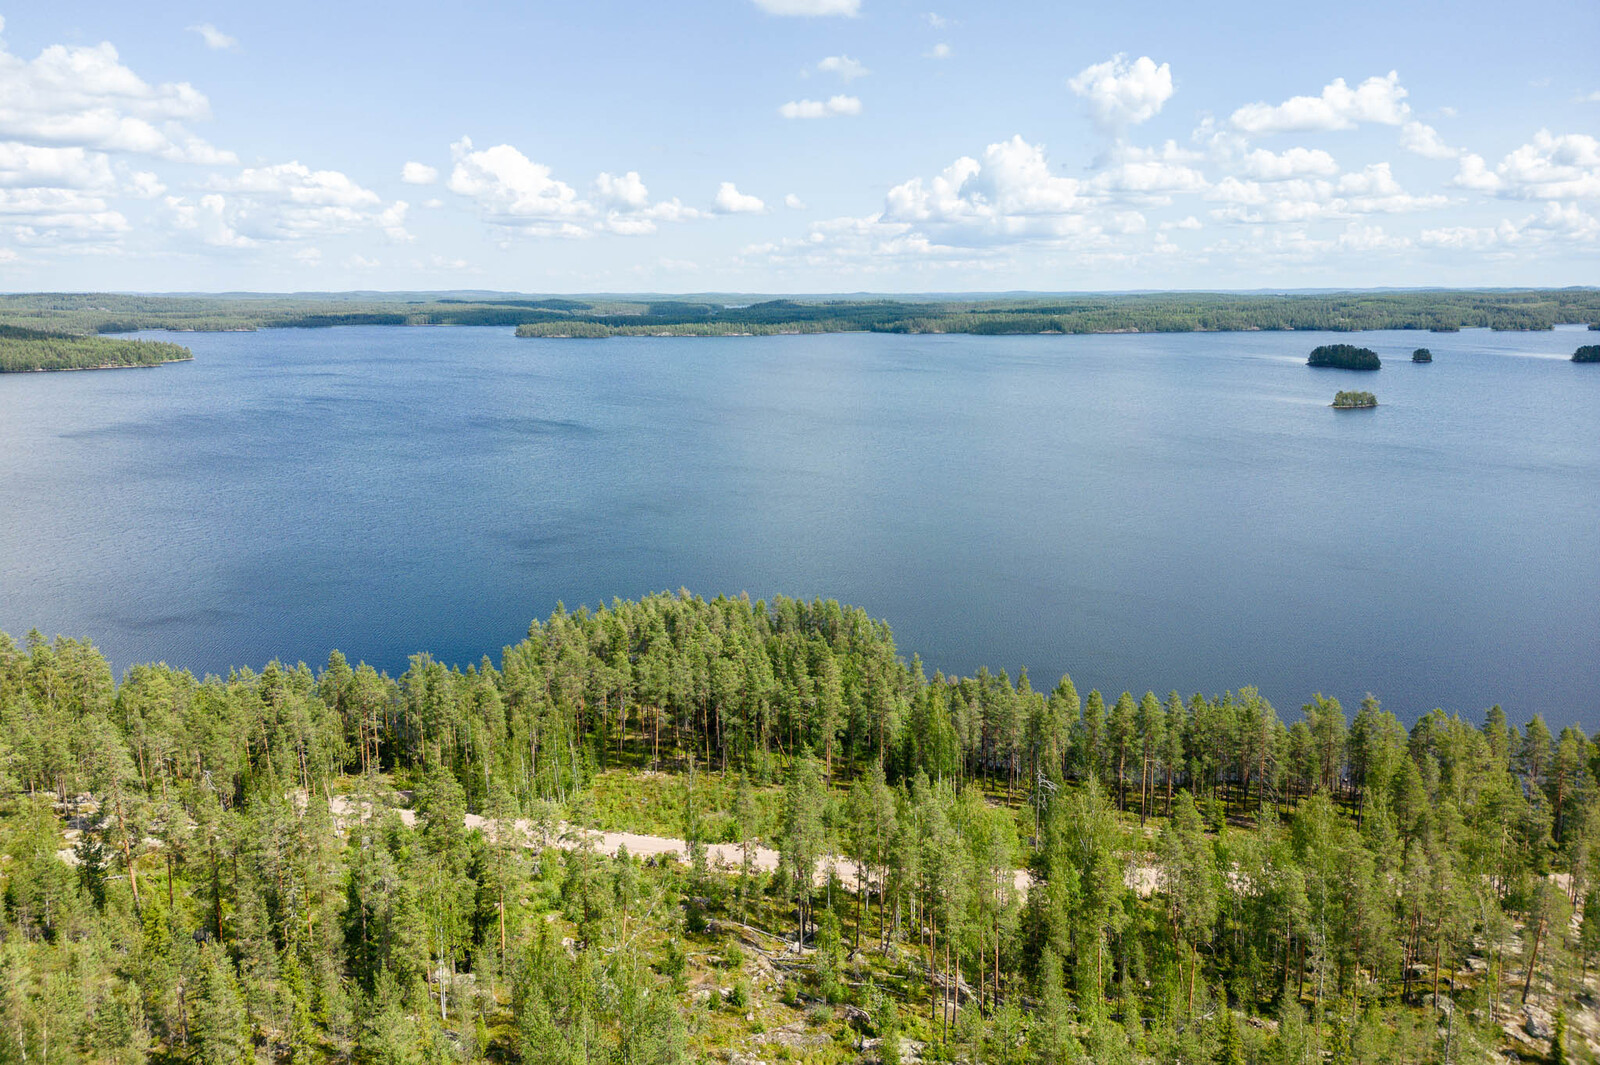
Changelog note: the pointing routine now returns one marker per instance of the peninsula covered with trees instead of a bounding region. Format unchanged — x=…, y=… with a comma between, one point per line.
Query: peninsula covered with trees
x=334, y=865
x=1587, y=353
x=1344, y=357
x=24, y=350
x=715, y=314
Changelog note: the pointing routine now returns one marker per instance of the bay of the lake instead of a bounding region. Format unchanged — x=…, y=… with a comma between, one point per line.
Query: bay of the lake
x=1143, y=511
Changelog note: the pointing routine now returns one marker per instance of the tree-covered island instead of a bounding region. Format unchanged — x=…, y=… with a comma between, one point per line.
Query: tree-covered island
x=1587, y=353
x=25, y=350
x=1422, y=355
x=838, y=859
x=1354, y=400
x=1344, y=357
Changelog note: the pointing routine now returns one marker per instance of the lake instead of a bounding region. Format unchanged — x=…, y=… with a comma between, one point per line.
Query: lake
x=1145, y=511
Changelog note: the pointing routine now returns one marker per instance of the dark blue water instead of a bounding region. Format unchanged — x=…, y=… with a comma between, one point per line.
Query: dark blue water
x=1166, y=511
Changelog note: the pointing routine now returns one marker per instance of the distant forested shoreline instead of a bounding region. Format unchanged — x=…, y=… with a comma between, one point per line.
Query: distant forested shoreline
x=721, y=315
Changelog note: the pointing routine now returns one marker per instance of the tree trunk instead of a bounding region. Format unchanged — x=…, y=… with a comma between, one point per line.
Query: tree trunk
x=1533, y=960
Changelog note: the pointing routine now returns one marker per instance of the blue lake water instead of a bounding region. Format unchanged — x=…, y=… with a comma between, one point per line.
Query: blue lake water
x=1160, y=511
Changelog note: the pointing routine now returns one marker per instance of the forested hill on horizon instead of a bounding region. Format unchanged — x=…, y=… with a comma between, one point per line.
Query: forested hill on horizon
x=611, y=315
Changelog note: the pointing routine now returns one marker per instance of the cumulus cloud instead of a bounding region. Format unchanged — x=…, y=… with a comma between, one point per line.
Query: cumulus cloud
x=1371, y=190
x=286, y=202
x=1419, y=138
x=626, y=192
x=46, y=216
x=28, y=165
x=1009, y=193
x=794, y=203
x=419, y=174
x=214, y=37
x=1118, y=93
x=731, y=201
x=810, y=8
x=1376, y=100
x=514, y=192
x=833, y=105
x=1263, y=165
x=843, y=67
x=1549, y=167
x=84, y=97
x=1150, y=175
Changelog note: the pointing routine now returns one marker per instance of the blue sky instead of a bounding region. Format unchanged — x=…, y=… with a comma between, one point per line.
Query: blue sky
x=797, y=146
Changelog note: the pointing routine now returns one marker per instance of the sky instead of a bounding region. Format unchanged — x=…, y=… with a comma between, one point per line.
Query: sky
x=804, y=146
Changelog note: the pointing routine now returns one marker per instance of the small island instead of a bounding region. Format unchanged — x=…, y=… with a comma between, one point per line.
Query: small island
x=1344, y=357
x=1354, y=400
x=1422, y=355
x=1587, y=353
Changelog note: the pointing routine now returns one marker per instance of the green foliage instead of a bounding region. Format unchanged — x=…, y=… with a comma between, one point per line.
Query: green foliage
x=23, y=350
x=1422, y=355
x=1344, y=357
x=250, y=884
x=1351, y=400
x=1587, y=353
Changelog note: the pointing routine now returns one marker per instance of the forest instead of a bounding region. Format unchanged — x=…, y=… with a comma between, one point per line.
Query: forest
x=732, y=314
x=335, y=865
x=24, y=350
x=1353, y=400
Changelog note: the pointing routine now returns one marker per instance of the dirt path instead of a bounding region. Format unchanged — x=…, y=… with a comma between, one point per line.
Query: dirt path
x=724, y=856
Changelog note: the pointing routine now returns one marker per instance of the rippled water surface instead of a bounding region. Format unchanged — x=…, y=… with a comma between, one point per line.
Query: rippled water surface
x=1162, y=511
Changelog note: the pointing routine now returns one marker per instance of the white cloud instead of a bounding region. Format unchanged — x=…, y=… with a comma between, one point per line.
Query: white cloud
x=1372, y=190
x=392, y=220
x=626, y=192
x=936, y=20
x=833, y=105
x=46, y=216
x=938, y=51
x=214, y=37
x=285, y=202
x=1009, y=194
x=1554, y=223
x=419, y=174
x=1150, y=175
x=731, y=201
x=208, y=218
x=144, y=185
x=1474, y=173
x=27, y=165
x=1119, y=93
x=794, y=203
x=361, y=262
x=515, y=192
x=1592, y=98
x=848, y=8
x=1376, y=100
x=845, y=68
x=1190, y=222
x=1547, y=168
x=1419, y=138
x=1551, y=167
x=512, y=190
x=1293, y=163
x=84, y=97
